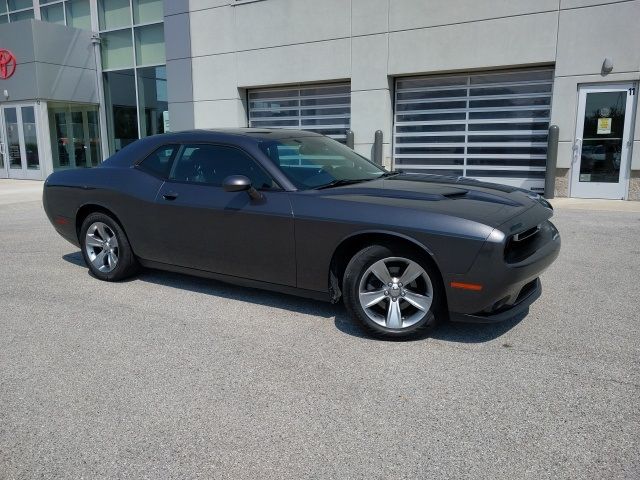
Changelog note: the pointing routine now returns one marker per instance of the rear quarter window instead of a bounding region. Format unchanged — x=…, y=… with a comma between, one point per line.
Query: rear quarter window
x=160, y=161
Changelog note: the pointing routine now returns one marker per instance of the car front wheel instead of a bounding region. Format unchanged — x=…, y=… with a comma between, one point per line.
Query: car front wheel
x=392, y=292
x=106, y=249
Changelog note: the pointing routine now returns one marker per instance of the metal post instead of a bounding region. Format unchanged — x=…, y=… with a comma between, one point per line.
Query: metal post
x=377, y=147
x=350, y=139
x=102, y=109
x=552, y=161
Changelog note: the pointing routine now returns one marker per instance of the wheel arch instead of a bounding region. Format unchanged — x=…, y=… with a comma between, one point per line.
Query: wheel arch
x=87, y=209
x=352, y=244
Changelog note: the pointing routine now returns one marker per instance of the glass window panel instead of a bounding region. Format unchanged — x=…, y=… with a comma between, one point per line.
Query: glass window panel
x=211, y=164
x=526, y=76
x=428, y=94
x=75, y=136
x=94, y=136
x=539, y=138
x=3, y=6
x=59, y=133
x=404, y=107
x=147, y=11
x=19, y=4
x=122, y=114
x=432, y=139
x=4, y=19
x=13, y=138
x=24, y=15
x=30, y=138
x=114, y=14
x=430, y=150
x=117, y=49
x=455, y=127
x=430, y=161
x=152, y=95
x=159, y=162
x=79, y=14
x=53, y=13
x=149, y=44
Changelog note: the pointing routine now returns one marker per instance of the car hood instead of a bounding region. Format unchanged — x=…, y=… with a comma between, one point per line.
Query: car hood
x=488, y=203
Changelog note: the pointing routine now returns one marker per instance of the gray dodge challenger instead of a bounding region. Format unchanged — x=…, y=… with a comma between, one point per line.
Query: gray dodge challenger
x=300, y=213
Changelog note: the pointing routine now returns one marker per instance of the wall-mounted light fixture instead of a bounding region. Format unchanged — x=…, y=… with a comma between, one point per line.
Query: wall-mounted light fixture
x=607, y=66
x=6, y=94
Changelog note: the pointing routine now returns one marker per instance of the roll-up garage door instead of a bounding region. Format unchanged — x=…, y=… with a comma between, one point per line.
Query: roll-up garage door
x=325, y=108
x=490, y=126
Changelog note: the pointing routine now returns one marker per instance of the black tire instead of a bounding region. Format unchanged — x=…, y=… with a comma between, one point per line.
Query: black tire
x=359, y=265
x=127, y=264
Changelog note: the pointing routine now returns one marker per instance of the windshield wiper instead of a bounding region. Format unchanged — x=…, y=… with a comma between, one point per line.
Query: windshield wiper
x=339, y=183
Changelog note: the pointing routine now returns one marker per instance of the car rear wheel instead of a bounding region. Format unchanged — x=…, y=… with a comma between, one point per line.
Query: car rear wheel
x=392, y=292
x=106, y=249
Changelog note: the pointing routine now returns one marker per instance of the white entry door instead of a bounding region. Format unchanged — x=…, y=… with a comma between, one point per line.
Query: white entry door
x=600, y=166
x=19, y=147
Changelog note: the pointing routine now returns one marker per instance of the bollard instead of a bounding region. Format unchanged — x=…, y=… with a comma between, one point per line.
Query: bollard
x=552, y=161
x=377, y=147
x=350, y=139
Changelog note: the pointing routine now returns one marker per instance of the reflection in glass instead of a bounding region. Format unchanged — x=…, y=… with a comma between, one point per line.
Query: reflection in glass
x=75, y=136
x=152, y=85
x=79, y=14
x=53, y=13
x=602, y=137
x=24, y=15
x=149, y=44
x=147, y=11
x=120, y=99
x=30, y=138
x=117, y=49
x=113, y=14
x=13, y=138
x=19, y=4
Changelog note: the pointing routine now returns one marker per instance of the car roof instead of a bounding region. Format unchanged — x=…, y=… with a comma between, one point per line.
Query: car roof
x=257, y=133
x=142, y=147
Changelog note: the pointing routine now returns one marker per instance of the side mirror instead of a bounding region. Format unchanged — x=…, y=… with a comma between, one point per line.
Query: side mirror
x=240, y=183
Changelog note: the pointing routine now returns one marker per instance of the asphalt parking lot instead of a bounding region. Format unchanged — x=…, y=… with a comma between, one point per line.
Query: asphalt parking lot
x=168, y=376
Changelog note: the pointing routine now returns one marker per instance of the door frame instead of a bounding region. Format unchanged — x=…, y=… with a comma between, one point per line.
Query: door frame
x=22, y=173
x=621, y=191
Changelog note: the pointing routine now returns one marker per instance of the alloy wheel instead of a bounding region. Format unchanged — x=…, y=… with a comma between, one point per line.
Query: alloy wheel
x=395, y=292
x=101, y=246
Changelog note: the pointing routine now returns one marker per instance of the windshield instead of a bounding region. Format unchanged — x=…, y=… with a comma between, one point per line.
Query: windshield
x=316, y=162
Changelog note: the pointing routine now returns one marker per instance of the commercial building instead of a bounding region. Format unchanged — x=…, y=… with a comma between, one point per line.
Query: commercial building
x=464, y=87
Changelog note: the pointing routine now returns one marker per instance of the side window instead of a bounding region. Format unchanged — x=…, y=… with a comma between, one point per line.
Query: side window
x=211, y=164
x=160, y=161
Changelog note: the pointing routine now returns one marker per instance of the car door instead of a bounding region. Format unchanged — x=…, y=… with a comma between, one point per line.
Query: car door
x=201, y=226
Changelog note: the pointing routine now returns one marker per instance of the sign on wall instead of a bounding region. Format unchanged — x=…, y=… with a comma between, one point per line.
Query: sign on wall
x=7, y=64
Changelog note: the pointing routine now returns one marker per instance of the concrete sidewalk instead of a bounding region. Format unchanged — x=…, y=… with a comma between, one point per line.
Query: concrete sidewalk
x=595, y=205
x=19, y=191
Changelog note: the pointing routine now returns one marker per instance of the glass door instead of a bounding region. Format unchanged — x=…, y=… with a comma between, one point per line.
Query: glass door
x=19, y=142
x=600, y=167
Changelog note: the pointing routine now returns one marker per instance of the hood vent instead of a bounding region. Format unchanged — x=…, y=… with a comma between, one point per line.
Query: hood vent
x=481, y=197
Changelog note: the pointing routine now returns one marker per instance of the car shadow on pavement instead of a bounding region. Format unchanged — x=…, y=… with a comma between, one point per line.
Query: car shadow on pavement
x=447, y=331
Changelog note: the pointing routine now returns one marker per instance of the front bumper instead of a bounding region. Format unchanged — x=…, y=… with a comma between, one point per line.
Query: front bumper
x=521, y=306
x=508, y=289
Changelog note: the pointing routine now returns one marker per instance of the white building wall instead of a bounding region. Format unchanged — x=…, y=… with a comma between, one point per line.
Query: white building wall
x=238, y=45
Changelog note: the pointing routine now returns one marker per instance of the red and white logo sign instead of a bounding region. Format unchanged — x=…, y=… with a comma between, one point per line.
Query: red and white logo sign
x=7, y=64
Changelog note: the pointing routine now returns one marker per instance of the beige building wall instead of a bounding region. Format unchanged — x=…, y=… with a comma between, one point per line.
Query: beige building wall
x=239, y=45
